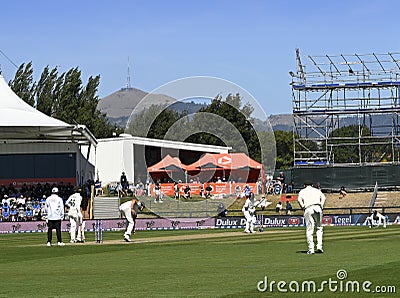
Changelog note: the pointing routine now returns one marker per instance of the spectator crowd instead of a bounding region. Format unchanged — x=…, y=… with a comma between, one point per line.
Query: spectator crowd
x=28, y=202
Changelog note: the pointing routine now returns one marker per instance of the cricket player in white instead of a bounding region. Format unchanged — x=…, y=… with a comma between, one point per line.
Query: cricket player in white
x=375, y=220
x=130, y=209
x=75, y=217
x=312, y=201
x=249, y=211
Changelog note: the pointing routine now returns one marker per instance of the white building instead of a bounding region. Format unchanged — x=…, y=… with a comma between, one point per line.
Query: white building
x=133, y=155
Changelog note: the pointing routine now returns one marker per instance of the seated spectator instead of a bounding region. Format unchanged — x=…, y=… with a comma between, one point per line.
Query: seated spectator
x=13, y=201
x=5, y=200
x=36, y=210
x=269, y=186
x=288, y=208
x=29, y=214
x=176, y=190
x=42, y=199
x=342, y=192
x=21, y=200
x=98, y=190
x=209, y=190
x=6, y=207
x=43, y=211
x=246, y=191
x=28, y=203
x=186, y=192
x=6, y=212
x=221, y=211
x=13, y=213
x=158, y=192
x=290, y=186
x=120, y=190
x=21, y=213
x=279, y=208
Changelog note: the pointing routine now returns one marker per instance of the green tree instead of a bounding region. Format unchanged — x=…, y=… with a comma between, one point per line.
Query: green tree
x=45, y=90
x=153, y=122
x=233, y=127
x=23, y=84
x=88, y=113
x=64, y=97
x=284, y=149
x=67, y=106
x=268, y=145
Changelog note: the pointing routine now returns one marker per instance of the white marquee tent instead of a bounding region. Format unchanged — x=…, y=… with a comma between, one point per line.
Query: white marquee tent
x=25, y=130
x=19, y=120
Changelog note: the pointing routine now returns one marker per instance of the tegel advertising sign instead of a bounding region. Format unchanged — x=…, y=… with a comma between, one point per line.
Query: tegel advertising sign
x=337, y=220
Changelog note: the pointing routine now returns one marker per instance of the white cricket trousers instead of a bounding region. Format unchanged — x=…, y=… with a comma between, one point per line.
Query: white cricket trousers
x=128, y=215
x=76, y=221
x=250, y=221
x=313, y=218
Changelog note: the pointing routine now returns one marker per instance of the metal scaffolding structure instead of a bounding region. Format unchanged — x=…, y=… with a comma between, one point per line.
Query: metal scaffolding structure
x=346, y=109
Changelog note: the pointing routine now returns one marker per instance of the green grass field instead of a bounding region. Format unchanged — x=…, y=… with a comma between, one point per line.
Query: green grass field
x=198, y=263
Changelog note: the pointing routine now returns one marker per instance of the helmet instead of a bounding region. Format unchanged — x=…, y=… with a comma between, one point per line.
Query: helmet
x=54, y=190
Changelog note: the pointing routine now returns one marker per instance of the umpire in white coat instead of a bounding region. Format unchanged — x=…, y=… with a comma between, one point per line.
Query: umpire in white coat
x=312, y=201
x=55, y=214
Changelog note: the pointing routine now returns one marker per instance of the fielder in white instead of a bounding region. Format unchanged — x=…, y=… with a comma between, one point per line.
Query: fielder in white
x=130, y=209
x=312, y=201
x=375, y=220
x=75, y=218
x=249, y=211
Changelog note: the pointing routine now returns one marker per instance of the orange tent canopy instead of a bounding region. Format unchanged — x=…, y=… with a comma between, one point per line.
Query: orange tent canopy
x=224, y=161
x=226, y=166
x=168, y=164
x=168, y=169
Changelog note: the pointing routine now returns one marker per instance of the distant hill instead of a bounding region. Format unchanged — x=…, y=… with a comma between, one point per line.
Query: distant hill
x=119, y=105
x=281, y=122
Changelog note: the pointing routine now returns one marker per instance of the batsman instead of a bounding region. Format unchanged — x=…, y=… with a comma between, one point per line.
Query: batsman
x=130, y=210
x=75, y=217
x=249, y=211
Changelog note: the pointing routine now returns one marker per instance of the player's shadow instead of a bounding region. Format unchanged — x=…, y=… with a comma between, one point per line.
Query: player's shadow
x=301, y=251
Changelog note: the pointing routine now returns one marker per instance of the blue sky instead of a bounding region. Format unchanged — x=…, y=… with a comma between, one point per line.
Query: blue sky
x=251, y=43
